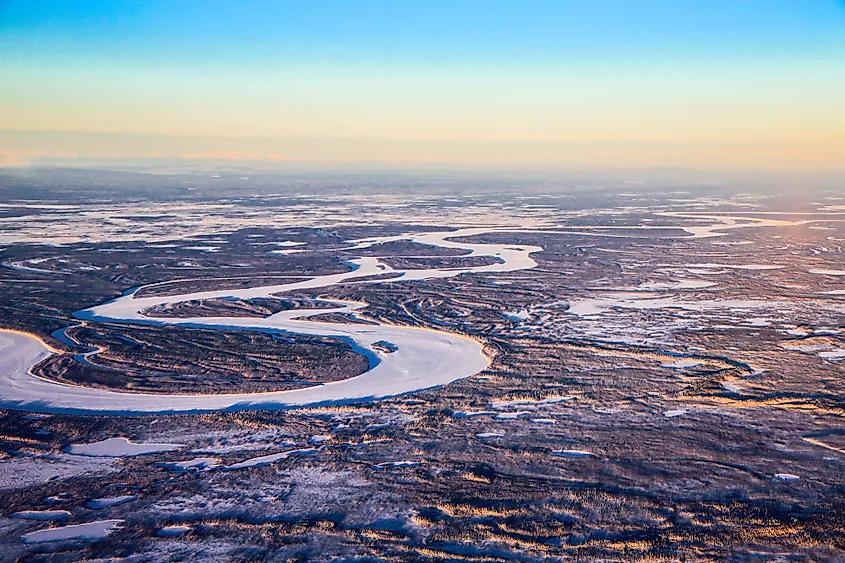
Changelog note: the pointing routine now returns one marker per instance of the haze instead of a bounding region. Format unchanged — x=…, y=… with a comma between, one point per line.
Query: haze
x=757, y=84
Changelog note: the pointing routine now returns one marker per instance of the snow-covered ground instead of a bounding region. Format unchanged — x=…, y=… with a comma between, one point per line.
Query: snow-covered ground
x=119, y=447
x=107, y=502
x=424, y=358
x=268, y=459
x=573, y=453
x=89, y=531
x=194, y=464
x=46, y=515
x=173, y=531
x=20, y=472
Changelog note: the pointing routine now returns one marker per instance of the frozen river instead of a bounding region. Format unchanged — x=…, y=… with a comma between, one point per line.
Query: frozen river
x=422, y=359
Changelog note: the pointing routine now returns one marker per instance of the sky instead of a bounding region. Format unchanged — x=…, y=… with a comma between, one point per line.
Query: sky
x=716, y=84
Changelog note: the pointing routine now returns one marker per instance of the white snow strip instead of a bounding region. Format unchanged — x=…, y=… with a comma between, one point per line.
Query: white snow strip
x=511, y=415
x=173, y=531
x=520, y=402
x=287, y=252
x=286, y=243
x=679, y=284
x=710, y=266
x=268, y=459
x=683, y=364
x=471, y=414
x=106, y=502
x=833, y=354
x=402, y=463
x=520, y=315
x=573, y=453
x=90, y=531
x=319, y=439
x=49, y=515
x=119, y=447
x=195, y=464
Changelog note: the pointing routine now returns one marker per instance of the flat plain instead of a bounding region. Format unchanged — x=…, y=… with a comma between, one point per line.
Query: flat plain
x=259, y=367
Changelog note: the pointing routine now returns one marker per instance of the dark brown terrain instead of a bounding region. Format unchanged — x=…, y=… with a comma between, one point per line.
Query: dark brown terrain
x=651, y=396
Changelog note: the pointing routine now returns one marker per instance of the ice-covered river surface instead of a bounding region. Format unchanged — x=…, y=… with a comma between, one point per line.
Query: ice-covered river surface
x=422, y=359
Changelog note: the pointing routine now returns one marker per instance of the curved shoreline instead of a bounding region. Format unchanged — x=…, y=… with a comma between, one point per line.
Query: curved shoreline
x=423, y=358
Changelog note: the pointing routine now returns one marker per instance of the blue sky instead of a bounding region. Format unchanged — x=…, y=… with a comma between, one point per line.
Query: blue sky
x=539, y=32
x=605, y=71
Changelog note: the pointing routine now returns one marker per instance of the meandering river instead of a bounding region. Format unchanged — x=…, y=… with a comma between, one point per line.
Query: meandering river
x=422, y=359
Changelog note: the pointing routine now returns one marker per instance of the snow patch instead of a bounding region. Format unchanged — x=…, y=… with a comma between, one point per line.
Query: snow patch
x=520, y=315
x=573, y=453
x=90, y=531
x=50, y=515
x=119, y=447
x=106, y=502
x=402, y=463
x=173, y=531
x=511, y=415
x=195, y=464
x=268, y=459
x=683, y=364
